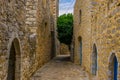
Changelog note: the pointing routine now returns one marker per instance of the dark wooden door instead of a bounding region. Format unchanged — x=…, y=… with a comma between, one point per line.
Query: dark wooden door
x=11, y=66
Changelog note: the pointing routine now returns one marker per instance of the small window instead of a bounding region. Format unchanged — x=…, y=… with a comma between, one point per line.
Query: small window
x=80, y=16
x=45, y=24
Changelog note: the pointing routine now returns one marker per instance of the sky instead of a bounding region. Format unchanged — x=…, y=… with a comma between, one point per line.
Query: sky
x=66, y=6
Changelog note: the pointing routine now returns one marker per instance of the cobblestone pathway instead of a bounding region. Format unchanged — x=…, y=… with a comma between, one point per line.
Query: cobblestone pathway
x=60, y=68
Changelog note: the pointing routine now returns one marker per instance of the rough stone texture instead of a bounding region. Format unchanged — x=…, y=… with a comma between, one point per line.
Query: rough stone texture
x=60, y=68
x=12, y=26
x=98, y=25
x=82, y=32
x=32, y=47
x=44, y=35
x=54, y=5
x=64, y=50
x=31, y=11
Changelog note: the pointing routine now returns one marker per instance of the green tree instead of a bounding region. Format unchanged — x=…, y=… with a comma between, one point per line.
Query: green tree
x=65, y=28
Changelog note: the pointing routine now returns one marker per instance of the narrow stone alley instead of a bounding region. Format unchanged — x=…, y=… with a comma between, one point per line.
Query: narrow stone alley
x=60, y=68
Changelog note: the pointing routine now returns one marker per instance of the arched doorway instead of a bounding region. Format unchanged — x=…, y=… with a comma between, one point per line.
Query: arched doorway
x=80, y=49
x=14, y=65
x=94, y=60
x=113, y=67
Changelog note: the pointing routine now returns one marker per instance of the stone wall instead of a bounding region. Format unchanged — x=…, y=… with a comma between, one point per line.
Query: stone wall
x=43, y=40
x=31, y=14
x=82, y=33
x=54, y=9
x=13, y=30
x=64, y=49
x=25, y=37
x=99, y=31
x=41, y=44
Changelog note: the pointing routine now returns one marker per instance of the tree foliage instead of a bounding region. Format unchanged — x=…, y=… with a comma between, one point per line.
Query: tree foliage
x=65, y=28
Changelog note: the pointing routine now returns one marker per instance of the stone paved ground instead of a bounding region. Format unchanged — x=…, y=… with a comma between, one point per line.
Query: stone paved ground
x=60, y=68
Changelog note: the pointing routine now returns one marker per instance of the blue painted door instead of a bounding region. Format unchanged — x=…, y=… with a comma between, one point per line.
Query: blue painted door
x=115, y=68
x=80, y=52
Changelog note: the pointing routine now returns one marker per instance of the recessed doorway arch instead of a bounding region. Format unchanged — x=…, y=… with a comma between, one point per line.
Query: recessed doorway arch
x=94, y=60
x=80, y=49
x=113, y=67
x=14, y=61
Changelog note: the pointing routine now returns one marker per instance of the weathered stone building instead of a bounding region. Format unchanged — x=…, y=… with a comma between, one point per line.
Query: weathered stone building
x=64, y=49
x=54, y=5
x=25, y=37
x=97, y=37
